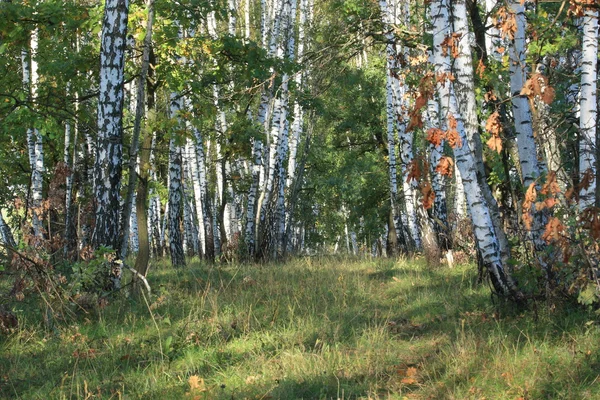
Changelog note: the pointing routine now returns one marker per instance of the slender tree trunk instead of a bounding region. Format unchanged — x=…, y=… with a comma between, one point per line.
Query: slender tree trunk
x=465, y=97
x=485, y=233
x=209, y=251
x=34, y=138
x=397, y=239
x=175, y=192
x=109, y=148
x=528, y=156
x=588, y=105
x=143, y=256
x=5, y=233
x=70, y=233
x=140, y=108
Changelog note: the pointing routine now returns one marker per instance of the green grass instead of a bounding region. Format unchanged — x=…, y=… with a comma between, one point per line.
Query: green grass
x=313, y=328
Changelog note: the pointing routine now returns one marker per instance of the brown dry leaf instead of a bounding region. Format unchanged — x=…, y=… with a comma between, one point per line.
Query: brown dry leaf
x=409, y=381
x=493, y=124
x=506, y=22
x=490, y=96
x=452, y=134
x=551, y=186
x=495, y=144
x=441, y=78
x=591, y=221
x=527, y=89
x=435, y=136
x=445, y=166
x=428, y=196
x=196, y=384
x=554, y=230
x=480, y=68
x=415, y=121
x=414, y=171
x=530, y=196
x=586, y=180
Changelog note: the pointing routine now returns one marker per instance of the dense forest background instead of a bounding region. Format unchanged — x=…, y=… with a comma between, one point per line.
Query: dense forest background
x=247, y=130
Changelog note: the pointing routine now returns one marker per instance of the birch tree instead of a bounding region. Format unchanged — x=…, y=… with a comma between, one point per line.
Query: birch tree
x=456, y=134
x=34, y=137
x=588, y=104
x=109, y=147
x=465, y=97
x=398, y=237
x=176, y=195
x=528, y=155
x=140, y=109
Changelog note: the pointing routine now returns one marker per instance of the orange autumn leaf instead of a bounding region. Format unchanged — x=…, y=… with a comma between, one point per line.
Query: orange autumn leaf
x=452, y=135
x=443, y=77
x=435, y=136
x=414, y=171
x=591, y=221
x=495, y=144
x=415, y=121
x=451, y=42
x=587, y=179
x=428, y=196
x=196, y=384
x=530, y=197
x=480, y=68
x=551, y=186
x=506, y=22
x=493, y=124
x=554, y=230
x=490, y=96
x=537, y=86
x=445, y=166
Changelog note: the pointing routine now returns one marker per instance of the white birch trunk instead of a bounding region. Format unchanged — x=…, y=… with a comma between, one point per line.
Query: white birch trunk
x=483, y=227
x=393, y=11
x=493, y=39
x=195, y=180
x=253, y=209
x=528, y=155
x=465, y=97
x=71, y=162
x=175, y=191
x=134, y=243
x=209, y=244
x=5, y=233
x=109, y=148
x=391, y=117
x=34, y=138
x=588, y=104
x=138, y=109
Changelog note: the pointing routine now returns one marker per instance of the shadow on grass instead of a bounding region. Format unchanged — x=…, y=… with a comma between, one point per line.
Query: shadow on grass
x=407, y=306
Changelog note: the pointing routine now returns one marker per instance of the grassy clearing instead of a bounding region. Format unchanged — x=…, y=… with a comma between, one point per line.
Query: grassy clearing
x=314, y=328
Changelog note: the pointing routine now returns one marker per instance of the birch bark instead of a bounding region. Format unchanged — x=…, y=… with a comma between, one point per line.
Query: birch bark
x=109, y=146
x=588, y=104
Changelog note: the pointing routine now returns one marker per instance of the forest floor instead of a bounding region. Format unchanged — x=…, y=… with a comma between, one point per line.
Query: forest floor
x=312, y=328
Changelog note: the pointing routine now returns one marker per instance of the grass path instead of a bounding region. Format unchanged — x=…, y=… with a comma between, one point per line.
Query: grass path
x=314, y=328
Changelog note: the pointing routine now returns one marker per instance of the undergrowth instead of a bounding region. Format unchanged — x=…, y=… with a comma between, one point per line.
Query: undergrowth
x=313, y=328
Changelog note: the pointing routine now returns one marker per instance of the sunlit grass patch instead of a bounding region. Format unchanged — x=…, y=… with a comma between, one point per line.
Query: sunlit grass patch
x=313, y=328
